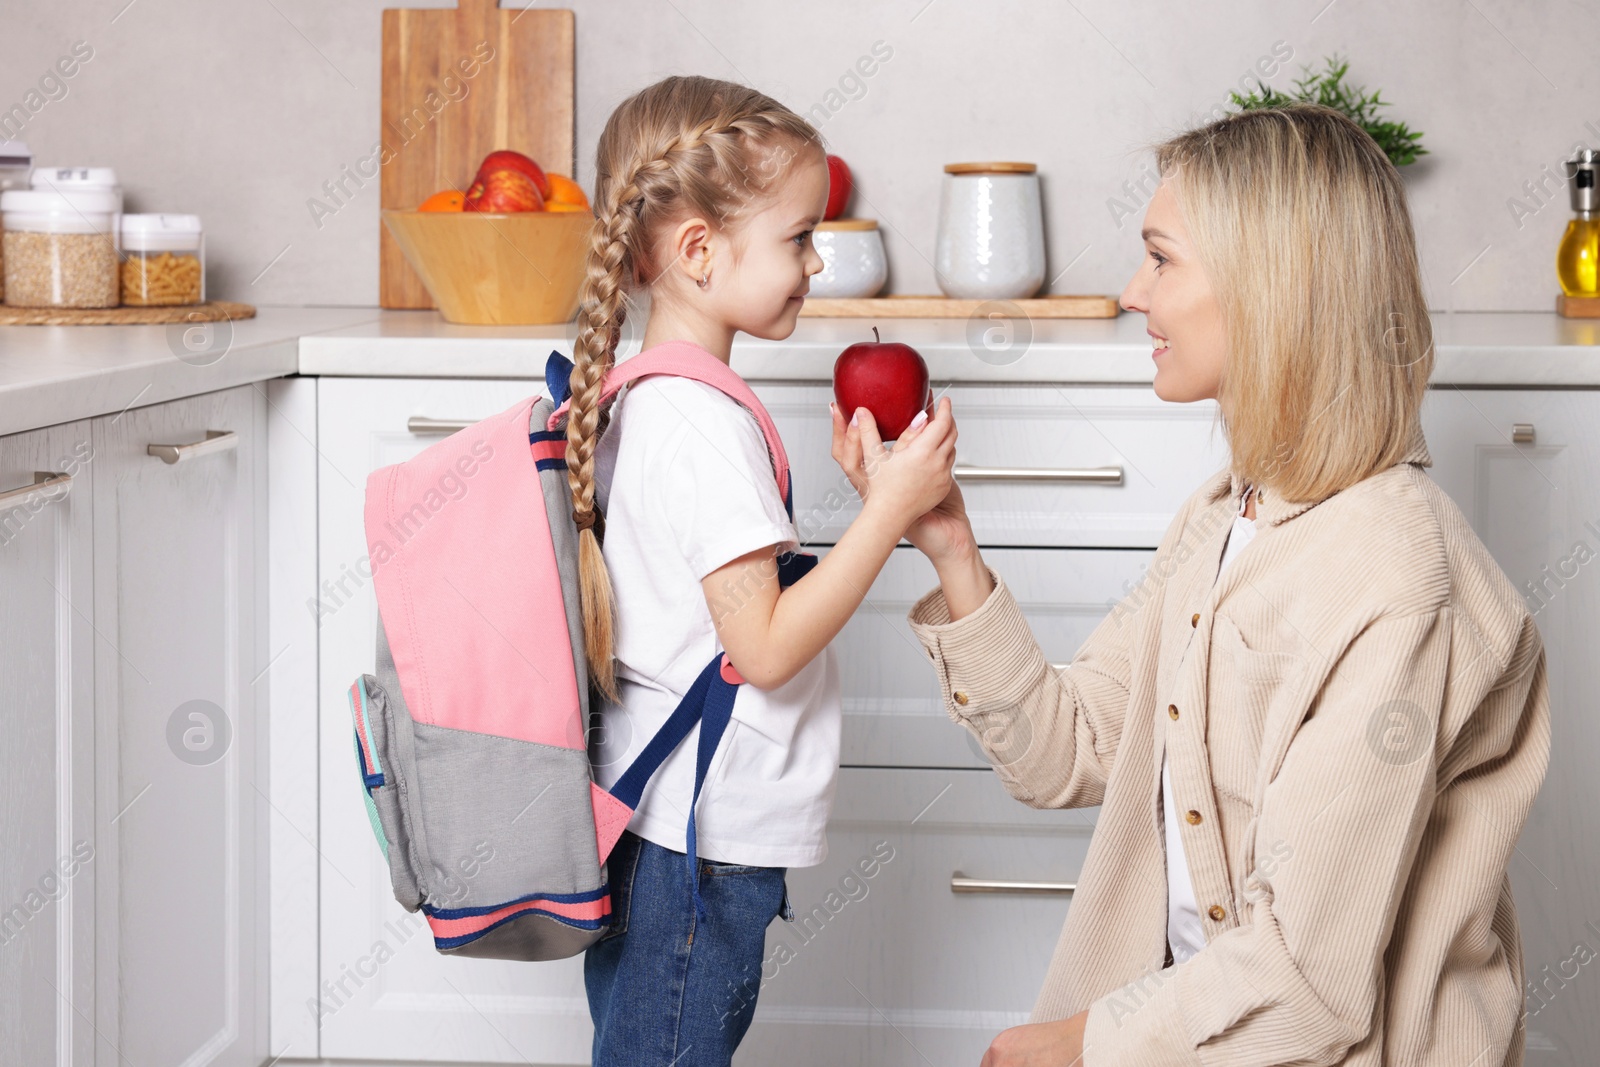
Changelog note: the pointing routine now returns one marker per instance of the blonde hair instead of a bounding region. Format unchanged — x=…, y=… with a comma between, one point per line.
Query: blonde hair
x=1300, y=222
x=684, y=146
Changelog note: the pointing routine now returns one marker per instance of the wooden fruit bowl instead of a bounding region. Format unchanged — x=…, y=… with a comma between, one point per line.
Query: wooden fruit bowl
x=497, y=270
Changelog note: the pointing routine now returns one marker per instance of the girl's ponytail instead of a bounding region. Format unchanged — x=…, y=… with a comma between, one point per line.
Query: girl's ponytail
x=600, y=317
x=684, y=144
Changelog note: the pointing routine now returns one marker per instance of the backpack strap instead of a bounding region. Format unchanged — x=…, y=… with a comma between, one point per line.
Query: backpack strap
x=709, y=702
x=685, y=360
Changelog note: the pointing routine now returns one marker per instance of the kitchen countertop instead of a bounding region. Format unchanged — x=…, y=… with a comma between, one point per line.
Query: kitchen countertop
x=54, y=374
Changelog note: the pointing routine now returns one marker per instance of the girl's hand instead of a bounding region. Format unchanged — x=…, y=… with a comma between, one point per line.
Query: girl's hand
x=941, y=531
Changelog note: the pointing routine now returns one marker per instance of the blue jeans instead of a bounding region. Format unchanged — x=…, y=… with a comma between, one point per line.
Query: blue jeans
x=664, y=989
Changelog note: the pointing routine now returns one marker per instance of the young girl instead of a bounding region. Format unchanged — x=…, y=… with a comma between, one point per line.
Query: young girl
x=706, y=194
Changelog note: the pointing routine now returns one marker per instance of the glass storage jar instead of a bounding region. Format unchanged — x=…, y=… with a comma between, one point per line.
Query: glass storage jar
x=60, y=249
x=164, y=260
x=16, y=163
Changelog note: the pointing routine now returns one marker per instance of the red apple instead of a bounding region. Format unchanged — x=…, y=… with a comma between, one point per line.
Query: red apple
x=839, y=187
x=505, y=159
x=887, y=378
x=501, y=192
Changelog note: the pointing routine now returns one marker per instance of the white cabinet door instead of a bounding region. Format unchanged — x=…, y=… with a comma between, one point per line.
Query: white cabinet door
x=385, y=992
x=893, y=712
x=180, y=770
x=1069, y=438
x=1536, y=506
x=47, y=835
x=886, y=964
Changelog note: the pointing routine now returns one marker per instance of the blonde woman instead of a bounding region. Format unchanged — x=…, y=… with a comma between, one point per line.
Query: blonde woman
x=1316, y=728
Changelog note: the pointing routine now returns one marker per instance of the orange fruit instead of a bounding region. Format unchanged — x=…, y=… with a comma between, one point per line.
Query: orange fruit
x=556, y=205
x=449, y=200
x=563, y=190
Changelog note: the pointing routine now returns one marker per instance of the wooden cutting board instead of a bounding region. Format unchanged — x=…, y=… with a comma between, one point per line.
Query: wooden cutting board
x=458, y=84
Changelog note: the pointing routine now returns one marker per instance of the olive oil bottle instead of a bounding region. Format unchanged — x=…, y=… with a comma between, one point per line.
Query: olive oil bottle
x=1580, y=246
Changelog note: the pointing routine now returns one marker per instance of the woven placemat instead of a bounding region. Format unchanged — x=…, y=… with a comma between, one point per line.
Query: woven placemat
x=210, y=311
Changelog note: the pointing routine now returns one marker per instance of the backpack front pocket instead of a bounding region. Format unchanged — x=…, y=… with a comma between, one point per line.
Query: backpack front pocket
x=372, y=714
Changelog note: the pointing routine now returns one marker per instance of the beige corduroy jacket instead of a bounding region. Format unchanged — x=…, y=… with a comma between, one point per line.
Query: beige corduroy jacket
x=1356, y=718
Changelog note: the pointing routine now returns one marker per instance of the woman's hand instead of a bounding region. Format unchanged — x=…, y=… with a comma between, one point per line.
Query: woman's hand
x=944, y=533
x=1057, y=1044
x=905, y=480
x=940, y=531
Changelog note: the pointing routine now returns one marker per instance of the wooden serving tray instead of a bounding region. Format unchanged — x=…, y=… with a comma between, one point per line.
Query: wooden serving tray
x=210, y=311
x=1575, y=307
x=943, y=307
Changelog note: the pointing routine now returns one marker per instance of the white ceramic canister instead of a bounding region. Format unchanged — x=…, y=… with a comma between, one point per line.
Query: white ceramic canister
x=853, y=258
x=991, y=232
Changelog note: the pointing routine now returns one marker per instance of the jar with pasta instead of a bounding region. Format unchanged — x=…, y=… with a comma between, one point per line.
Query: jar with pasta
x=163, y=261
x=60, y=249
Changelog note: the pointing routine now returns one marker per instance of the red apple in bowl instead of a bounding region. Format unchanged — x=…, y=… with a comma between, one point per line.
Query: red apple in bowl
x=887, y=378
x=505, y=159
x=839, y=188
x=502, y=192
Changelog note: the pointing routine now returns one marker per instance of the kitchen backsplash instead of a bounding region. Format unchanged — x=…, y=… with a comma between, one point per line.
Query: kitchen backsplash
x=263, y=132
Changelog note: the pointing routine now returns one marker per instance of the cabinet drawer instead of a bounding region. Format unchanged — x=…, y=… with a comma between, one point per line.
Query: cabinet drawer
x=893, y=712
x=1163, y=453
x=896, y=968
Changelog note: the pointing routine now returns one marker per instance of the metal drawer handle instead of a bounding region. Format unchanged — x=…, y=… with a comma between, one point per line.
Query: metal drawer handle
x=422, y=424
x=53, y=486
x=960, y=883
x=215, y=441
x=1076, y=475
x=1522, y=433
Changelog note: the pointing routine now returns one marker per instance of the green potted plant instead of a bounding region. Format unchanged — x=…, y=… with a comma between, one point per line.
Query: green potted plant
x=1400, y=144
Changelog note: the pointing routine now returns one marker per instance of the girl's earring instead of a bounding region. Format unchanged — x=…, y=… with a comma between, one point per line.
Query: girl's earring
x=704, y=277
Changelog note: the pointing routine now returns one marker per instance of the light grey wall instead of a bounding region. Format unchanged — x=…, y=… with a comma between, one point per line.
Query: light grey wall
x=240, y=110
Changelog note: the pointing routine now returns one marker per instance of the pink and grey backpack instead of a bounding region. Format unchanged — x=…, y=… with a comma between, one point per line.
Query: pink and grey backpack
x=471, y=736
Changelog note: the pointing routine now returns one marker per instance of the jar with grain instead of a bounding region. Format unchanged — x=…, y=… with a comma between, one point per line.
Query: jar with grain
x=16, y=163
x=60, y=249
x=164, y=260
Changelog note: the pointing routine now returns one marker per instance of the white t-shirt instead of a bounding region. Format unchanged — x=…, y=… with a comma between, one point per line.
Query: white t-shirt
x=686, y=484
x=1185, y=933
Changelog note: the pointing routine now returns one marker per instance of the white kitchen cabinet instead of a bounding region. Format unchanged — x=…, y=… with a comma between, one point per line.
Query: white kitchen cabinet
x=48, y=859
x=1524, y=467
x=886, y=963
x=893, y=712
x=385, y=992
x=180, y=768
x=1042, y=465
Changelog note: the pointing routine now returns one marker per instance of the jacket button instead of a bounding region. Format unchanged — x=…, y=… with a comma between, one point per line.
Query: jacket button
x=1216, y=912
x=960, y=697
x=1172, y=711
x=1193, y=817
x=1195, y=619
